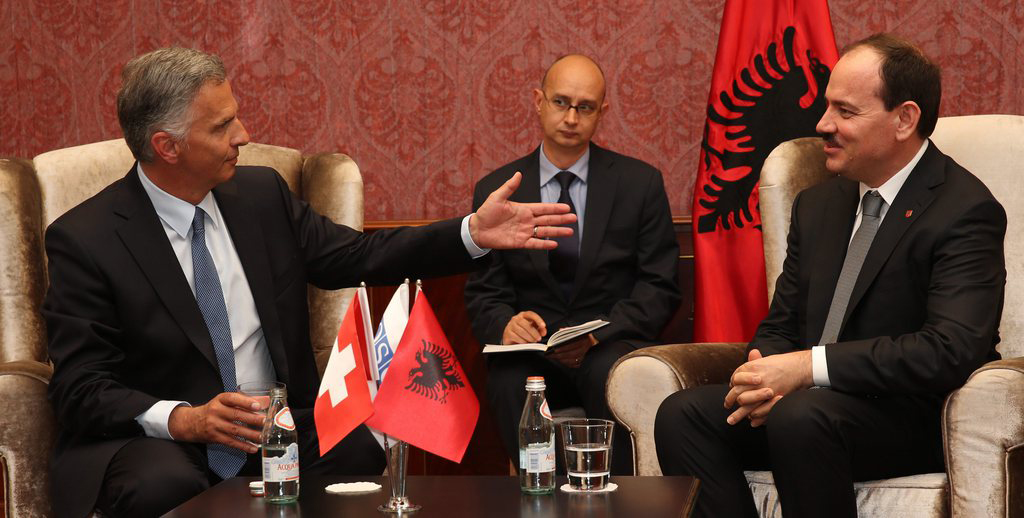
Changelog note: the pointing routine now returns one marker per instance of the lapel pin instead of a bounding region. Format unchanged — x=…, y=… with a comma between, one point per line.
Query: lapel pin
x=908, y=214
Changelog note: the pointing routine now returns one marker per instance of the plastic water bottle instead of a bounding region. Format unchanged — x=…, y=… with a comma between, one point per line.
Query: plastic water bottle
x=280, y=451
x=536, y=441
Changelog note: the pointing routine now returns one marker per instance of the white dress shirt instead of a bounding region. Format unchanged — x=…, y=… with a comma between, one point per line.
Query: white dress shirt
x=252, y=357
x=888, y=192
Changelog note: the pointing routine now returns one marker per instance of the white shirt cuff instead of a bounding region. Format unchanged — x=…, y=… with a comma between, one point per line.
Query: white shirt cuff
x=819, y=367
x=467, y=240
x=155, y=420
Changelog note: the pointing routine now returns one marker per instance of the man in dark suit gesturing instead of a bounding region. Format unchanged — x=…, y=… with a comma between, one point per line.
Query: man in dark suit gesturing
x=620, y=265
x=189, y=276
x=889, y=298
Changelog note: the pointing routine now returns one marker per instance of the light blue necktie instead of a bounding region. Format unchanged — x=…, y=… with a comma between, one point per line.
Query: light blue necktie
x=223, y=460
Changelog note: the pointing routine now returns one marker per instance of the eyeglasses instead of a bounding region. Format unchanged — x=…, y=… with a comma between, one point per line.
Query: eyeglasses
x=561, y=105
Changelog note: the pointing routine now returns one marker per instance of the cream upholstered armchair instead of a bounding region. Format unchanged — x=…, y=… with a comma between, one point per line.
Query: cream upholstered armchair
x=983, y=422
x=32, y=195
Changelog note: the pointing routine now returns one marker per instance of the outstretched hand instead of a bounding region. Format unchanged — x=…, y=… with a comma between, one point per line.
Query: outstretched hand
x=500, y=223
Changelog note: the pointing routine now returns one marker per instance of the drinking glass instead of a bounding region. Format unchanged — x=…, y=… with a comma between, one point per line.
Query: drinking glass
x=260, y=391
x=588, y=452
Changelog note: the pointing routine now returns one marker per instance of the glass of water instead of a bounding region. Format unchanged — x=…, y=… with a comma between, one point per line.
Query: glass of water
x=260, y=391
x=588, y=452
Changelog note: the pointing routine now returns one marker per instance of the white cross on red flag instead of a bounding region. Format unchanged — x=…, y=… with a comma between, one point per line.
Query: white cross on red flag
x=344, y=400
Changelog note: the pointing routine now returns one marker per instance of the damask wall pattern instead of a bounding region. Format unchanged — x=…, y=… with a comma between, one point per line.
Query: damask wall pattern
x=429, y=95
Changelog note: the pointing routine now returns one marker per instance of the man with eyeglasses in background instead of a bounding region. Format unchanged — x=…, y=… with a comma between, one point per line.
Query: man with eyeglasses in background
x=620, y=265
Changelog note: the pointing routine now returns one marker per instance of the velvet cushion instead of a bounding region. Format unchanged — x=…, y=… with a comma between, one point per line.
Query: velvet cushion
x=918, y=496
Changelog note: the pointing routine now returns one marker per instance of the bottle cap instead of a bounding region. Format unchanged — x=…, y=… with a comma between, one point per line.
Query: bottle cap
x=535, y=383
x=256, y=488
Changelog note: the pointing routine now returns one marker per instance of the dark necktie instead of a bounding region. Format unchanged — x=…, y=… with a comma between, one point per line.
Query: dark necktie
x=223, y=460
x=870, y=217
x=564, y=259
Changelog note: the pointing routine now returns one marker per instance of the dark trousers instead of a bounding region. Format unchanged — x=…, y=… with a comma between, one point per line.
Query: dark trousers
x=816, y=442
x=149, y=477
x=584, y=386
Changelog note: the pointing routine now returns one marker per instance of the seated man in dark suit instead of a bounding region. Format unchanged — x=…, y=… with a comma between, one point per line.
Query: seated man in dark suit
x=189, y=276
x=889, y=297
x=620, y=265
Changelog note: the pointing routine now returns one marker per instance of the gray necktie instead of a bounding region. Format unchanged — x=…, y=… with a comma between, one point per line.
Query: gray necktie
x=223, y=460
x=870, y=217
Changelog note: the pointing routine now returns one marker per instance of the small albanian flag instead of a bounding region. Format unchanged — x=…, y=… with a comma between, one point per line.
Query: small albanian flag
x=426, y=400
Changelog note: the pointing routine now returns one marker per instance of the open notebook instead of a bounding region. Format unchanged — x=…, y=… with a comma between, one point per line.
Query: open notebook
x=559, y=337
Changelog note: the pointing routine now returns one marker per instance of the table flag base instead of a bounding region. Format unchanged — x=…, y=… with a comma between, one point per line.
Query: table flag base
x=398, y=456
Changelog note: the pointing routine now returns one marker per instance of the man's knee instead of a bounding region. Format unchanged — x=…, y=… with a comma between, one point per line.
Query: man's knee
x=801, y=416
x=502, y=392
x=358, y=453
x=602, y=356
x=681, y=410
x=506, y=378
x=597, y=365
x=150, y=479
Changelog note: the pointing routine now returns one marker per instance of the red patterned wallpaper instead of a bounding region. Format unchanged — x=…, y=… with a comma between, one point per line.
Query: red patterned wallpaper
x=429, y=95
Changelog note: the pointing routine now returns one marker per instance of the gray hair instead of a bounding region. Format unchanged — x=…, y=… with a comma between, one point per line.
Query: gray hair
x=157, y=90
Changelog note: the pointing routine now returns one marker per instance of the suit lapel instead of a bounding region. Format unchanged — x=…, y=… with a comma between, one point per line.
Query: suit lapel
x=601, y=185
x=144, y=237
x=913, y=199
x=827, y=262
x=529, y=192
x=250, y=245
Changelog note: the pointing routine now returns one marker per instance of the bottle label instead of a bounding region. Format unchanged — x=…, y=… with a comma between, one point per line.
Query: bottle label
x=538, y=458
x=283, y=468
x=283, y=418
x=545, y=411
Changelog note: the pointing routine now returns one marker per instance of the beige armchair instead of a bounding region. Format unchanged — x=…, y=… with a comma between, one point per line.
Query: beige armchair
x=32, y=195
x=983, y=422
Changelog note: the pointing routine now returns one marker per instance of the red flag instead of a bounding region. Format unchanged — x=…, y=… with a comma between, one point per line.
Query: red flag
x=426, y=399
x=768, y=86
x=343, y=402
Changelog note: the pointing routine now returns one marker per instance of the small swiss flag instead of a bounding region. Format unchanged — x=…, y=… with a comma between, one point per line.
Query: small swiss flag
x=344, y=401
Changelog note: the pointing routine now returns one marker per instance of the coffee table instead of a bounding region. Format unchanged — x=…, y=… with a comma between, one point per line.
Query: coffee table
x=454, y=497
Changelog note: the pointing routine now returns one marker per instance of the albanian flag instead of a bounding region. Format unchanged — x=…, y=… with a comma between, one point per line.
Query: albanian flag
x=768, y=86
x=425, y=400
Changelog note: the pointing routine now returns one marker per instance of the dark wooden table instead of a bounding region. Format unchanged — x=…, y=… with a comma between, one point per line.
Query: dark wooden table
x=454, y=497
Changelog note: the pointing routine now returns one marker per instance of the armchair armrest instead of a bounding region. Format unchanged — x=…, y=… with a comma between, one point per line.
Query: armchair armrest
x=27, y=432
x=642, y=379
x=31, y=369
x=983, y=431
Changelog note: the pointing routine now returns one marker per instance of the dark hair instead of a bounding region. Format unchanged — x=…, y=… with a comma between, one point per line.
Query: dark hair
x=907, y=75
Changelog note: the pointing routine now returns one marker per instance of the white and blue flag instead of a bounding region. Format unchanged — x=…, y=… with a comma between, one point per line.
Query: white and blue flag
x=390, y=330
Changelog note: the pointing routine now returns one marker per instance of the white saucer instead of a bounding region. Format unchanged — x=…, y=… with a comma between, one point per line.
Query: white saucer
x=350, y=488
x=611, y=486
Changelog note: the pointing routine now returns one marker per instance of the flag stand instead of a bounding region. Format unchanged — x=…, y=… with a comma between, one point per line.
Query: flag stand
x=398, y=457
